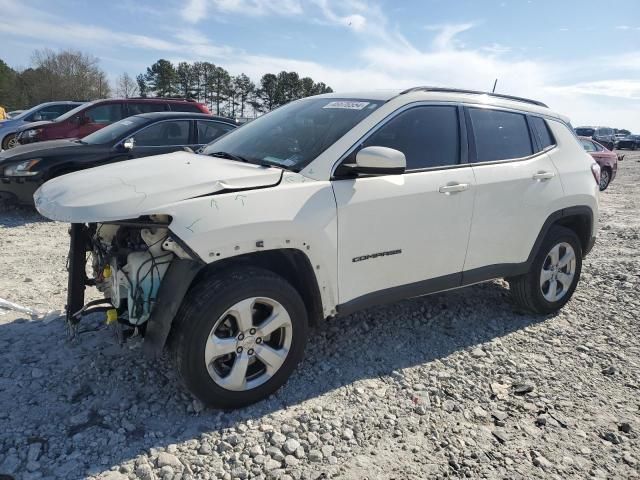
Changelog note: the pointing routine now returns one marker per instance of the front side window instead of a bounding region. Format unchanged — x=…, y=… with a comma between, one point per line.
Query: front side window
x=174, y=132
x=428, y=136
x=209, y=131
x=104, y=114
x=500, y=135
x=542, y=133
x=293, y=136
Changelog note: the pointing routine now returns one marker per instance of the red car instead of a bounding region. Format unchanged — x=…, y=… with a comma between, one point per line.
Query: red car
x=607, y=160
x=92, y=116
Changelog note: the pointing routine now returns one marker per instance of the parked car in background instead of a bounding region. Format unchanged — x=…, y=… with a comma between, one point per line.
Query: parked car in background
x=603, y=135
x=14, y=113
x=631, y=142
x=24, y=168
x=607, y=160
x=44, y=111
x=95, y=115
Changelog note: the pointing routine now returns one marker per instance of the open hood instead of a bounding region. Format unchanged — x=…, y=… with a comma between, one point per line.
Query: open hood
x=132, y=188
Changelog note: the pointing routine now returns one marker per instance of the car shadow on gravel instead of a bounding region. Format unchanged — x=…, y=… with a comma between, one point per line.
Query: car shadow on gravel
x=16, y=216
x=80, y=398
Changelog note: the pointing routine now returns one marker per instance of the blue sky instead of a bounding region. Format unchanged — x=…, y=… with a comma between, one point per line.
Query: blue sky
x=580, y=57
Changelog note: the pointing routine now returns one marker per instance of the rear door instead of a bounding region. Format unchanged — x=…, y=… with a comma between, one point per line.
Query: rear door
x=406, y=235
x=163, y=137
x=517, y=187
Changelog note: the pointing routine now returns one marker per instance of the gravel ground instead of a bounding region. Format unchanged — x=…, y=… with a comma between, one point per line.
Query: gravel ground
x=453, y=385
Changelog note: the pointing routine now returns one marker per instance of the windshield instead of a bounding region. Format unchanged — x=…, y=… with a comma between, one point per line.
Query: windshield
x=115, y=131
x=585, y=132
x=295, y=134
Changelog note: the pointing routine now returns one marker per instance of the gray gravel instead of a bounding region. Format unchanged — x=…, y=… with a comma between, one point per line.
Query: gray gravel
x=453, y=385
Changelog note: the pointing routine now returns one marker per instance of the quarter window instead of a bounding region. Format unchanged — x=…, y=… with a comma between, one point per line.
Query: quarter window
x=209, y=131
x=542, y=133
x=164, y=133
x=428, y=136
x=500, y=135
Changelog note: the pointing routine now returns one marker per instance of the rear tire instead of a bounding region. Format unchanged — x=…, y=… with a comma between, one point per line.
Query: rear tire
x=605, y=179
x=223, y=352
x=549, y=284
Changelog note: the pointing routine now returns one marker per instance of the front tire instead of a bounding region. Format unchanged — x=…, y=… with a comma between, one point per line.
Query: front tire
x=10, y=141
x=553, y=275
x=239, y=336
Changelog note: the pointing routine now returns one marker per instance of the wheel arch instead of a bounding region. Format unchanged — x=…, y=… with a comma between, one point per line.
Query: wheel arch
x=578, y=218
x=290, y=263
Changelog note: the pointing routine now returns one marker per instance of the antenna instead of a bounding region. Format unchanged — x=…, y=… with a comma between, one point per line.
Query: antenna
x=494, y=86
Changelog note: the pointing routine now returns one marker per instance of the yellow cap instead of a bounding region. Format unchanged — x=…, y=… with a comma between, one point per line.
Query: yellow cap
x=106, y=272
x=112, y=315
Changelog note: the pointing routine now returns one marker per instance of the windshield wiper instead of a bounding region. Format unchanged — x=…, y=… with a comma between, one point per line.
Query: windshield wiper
x=229, y=156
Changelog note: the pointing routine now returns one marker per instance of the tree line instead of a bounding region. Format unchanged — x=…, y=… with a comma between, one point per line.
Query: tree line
x=64, y=75
x=222, y=92
x=74, y=75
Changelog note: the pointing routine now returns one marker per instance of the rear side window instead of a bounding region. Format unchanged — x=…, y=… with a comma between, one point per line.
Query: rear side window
x=588, y=145
x=585, y=132
x=542, y=133
x=428, y=136
x=145, y=107
x=209, y=131
x=105, y=113
x=500, y=135
x=184, y=107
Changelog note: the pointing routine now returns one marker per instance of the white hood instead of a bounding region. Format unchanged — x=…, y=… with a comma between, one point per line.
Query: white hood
x=132, y=188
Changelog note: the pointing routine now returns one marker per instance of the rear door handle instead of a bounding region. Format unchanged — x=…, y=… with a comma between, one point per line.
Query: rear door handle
x=458, y=187
x=543, y=175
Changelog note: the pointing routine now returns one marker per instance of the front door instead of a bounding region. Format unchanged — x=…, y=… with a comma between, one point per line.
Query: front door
x=406, y=235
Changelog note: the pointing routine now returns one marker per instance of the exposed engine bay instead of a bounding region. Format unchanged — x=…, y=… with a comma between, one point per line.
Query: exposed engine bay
x=127, y=260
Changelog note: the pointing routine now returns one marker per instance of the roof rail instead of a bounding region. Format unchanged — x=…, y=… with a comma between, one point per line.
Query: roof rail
x=474, y=92
x=163, y=98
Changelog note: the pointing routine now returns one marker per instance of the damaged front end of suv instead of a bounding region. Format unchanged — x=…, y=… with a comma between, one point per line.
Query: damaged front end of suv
x=138, y=266
x=121, y=241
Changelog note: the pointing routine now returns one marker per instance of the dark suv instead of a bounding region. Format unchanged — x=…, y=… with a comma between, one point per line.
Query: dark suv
x=604, y=135
x=92, y=116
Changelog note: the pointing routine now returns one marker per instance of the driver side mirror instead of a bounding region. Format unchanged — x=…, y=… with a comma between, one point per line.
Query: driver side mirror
x=129, y=143
x=379, y=161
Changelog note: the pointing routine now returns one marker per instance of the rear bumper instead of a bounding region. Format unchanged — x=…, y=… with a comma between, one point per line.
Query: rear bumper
x=19, y=190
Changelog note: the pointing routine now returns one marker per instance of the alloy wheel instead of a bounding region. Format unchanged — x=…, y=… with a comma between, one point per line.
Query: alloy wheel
x=604, y=179
x=248, y=344
x=558, y=272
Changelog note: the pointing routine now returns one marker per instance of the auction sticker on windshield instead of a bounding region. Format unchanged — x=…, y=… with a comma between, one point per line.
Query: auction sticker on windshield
x=347, y=105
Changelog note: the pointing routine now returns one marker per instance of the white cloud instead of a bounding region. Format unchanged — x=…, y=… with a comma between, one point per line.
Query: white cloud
x=194, y=11
x=446, y=38
x=258, y=7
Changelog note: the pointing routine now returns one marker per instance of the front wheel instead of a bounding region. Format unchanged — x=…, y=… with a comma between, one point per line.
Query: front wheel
x=605, y=178
x=553, y=275
x=239, y=336
x=10, y=141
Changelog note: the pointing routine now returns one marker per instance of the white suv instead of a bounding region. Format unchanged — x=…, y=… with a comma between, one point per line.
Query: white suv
x=322, y=207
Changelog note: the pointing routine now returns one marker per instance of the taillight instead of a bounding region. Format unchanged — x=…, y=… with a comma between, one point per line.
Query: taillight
x=595, y=169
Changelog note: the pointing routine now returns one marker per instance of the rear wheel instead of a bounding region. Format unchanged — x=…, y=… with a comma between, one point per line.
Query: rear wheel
x=554, y=273
x=10, y=141
x=239, y=335
x=605, y=178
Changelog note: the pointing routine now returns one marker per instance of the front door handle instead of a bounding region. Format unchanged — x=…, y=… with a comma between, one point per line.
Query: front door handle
x=543, y=176
x=458, y=187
